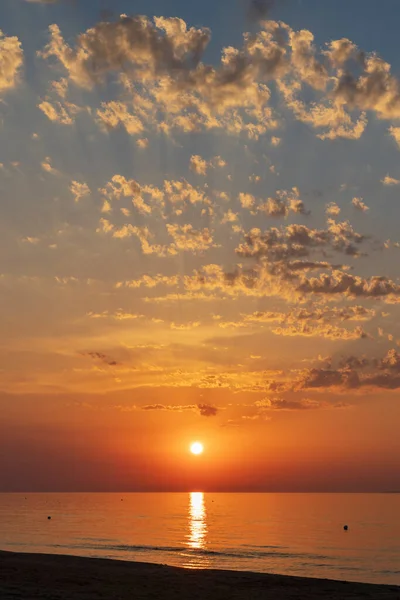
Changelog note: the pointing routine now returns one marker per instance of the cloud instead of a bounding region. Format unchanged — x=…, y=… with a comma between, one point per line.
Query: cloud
x=331, y=117
x=321, y=330
x=332, y=209
x=185, y=326
x=353, y=373
x=150, y=47
x=11, y=61
x=229, y=217
x=183, y=193
x=101, y=357
x=47, y=166
x=113, y=114
x=313, y=322
x=350, y=285
x=159, y=61
x=164, y=55
x=200, y=166
x=79, y=190
x=119, y=315
x=359, y=204
x=150, y=281
x=247, y=200
x=142, y=143
x=258, y=10
x=387, y=180
x=298, y=241
x=284, y=404
x=188, y=239
x=284, y=203
x=146, y=199
x=395, y=133
x=204, y=410
x=63, y=113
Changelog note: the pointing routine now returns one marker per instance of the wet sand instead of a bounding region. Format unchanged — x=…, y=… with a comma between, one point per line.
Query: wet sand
x=54, y=577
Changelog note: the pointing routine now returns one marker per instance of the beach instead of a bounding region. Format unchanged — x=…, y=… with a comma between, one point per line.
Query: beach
x=56, y=577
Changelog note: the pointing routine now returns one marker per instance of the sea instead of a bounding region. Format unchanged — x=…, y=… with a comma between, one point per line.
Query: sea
x=290, y=534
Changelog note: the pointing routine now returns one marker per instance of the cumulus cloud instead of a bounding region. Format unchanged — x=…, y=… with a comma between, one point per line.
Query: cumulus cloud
x=281, y=205
x=63, y=113
x=200, y=166
x=387, y=180
x=332, y=209
x=151, y=47
x=359, y=204
x=298, y=241
x=350, y=285
x=259, y=9
x=145, y=199
x=48, y=167
x=79, y=190
x=188, y=239
x=163, y=56
x=11, y=61
x=354, y=373
x=395, y=133
x=114, y=113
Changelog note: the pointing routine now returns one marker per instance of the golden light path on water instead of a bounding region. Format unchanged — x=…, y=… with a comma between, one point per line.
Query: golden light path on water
x=197, y=521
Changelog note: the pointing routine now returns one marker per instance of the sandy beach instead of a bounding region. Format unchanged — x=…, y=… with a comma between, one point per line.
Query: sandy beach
x=54, y=577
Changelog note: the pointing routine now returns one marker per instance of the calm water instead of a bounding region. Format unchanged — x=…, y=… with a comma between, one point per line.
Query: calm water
x=294, y=534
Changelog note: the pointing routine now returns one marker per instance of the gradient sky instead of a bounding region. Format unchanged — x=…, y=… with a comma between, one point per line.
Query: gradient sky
x=200, y=240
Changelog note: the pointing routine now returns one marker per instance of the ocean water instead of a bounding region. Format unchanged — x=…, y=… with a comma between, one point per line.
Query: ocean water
x=292, y=534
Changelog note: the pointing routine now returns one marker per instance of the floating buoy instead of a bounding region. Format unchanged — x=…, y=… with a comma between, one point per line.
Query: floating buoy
x=49, y=518
x=346, y=527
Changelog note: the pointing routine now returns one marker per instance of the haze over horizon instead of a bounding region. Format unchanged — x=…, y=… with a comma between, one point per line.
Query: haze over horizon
x=199, y=221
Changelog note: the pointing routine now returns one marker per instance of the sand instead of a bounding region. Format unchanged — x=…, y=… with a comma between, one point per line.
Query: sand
x=53, y=577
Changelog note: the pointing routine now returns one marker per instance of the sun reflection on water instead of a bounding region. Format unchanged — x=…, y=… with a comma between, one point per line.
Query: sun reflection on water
x=197, y=521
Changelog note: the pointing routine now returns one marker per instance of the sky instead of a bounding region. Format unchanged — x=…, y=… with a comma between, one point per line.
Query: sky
x=199, y=228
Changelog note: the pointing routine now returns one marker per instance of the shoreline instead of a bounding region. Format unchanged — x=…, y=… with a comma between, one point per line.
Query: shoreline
x=65, y=577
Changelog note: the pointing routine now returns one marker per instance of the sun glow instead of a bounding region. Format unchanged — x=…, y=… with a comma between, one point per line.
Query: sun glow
x=196, y=448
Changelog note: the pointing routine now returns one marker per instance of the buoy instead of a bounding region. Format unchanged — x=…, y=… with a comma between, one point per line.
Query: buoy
x=49, y=518
x=346, y=527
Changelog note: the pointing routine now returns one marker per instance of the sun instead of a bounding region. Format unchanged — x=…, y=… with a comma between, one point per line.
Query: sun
x=196, y=448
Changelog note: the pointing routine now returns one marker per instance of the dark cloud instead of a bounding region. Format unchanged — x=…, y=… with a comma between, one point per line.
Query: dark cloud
x=355, y=372
x=299, y=241
x=258, y=10
x=104, y=358
x=349, y=285
x=204, y=410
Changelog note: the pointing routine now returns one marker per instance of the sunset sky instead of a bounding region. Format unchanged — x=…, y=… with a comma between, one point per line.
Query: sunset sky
x=200, y=208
